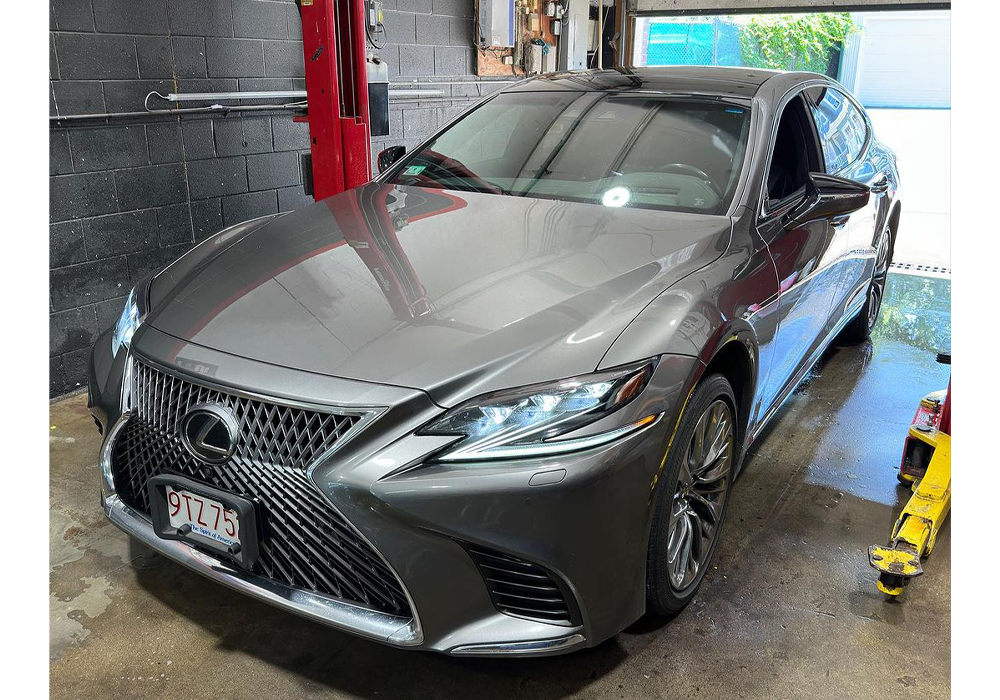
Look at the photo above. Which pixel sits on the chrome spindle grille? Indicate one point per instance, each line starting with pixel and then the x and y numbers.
pixel 305 542
pixel 269 433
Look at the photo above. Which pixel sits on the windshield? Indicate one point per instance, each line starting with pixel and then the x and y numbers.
pixel 646 151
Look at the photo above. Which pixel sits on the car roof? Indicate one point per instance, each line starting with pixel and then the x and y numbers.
pixel 723 81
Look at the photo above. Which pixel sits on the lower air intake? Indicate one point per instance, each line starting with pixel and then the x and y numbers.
pixel 524 589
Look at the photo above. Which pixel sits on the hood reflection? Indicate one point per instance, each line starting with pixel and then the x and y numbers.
pixel 374 238
pixel 430 288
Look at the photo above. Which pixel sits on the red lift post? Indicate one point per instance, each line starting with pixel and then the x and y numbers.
pixel 333 40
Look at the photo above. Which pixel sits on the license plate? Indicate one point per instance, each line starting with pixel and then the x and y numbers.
pixel 205 517
pixel 202 517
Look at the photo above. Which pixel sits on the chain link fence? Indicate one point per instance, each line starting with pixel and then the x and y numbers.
pixel 712 41
pixel 696 42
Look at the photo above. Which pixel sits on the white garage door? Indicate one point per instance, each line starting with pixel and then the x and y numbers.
pixel 904 59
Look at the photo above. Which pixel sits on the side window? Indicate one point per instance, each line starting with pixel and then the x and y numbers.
pixel 841 126
pixel 795 154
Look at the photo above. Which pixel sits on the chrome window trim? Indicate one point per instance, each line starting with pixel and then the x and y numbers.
pixel 762 212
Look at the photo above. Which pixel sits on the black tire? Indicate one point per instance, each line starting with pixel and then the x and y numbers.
pixel 663 596
pixel 861 326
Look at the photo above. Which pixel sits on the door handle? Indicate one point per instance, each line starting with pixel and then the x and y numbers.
pixel 880 185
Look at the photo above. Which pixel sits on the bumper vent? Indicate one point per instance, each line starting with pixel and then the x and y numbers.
pixel 305 542
pixel 523 589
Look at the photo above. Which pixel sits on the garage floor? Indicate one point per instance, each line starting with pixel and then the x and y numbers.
pixel 790 612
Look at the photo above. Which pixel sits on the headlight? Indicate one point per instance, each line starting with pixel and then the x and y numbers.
pixel 527 422
pixel 127 324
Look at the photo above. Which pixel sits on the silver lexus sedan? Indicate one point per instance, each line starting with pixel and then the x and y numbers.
pixel 494 401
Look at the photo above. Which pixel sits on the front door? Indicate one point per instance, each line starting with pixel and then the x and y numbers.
pixel 804 255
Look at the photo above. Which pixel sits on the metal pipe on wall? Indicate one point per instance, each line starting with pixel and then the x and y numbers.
pixel 600 34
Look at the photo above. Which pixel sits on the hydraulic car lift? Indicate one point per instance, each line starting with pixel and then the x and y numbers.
pixel 926 464
pixel 333 40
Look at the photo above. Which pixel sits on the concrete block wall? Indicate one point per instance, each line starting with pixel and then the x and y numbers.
pixel 129 195
pixel 430 40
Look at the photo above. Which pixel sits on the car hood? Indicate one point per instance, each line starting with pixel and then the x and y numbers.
pixel 454 293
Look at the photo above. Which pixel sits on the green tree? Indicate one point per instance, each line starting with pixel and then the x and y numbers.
pixel 794 42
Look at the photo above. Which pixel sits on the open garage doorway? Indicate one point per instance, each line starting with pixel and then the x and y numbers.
pixel 896 62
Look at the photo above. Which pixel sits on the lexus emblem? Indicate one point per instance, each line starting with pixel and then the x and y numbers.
pixel 209 432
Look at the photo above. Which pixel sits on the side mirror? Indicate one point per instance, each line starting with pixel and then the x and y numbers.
pixel 390 156
pixel 828 196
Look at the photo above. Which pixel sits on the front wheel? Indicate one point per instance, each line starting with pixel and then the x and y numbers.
pixel 692 497
pixel 860 328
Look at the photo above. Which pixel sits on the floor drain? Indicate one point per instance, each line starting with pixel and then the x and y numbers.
pixel 918 269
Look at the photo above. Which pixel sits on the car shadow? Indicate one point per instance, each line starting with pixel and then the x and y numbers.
pixel 236 623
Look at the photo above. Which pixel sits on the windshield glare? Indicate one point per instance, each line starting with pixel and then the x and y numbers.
pixel 619 150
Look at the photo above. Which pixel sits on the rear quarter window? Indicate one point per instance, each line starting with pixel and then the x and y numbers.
pixel 842 128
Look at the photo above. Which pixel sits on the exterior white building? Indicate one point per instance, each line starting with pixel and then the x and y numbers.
pixel 900 59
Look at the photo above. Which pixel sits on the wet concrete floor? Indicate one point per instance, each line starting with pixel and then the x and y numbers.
pixel 790 611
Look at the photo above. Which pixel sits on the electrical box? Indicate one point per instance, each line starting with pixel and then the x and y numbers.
pixel 533 59
pixel 378 96
pixel 497 18
pixel 373 14
pixel 549 60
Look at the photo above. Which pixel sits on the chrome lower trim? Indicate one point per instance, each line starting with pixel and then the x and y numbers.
pixel 544 646
pixel 374 625
pixel 107 447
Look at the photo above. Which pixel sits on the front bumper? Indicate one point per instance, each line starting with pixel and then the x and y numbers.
pixel 335 613
pixel 588 524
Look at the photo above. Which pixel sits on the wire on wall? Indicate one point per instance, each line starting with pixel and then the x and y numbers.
pixel 380 29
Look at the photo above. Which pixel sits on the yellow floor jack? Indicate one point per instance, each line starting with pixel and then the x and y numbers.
pixel 926 468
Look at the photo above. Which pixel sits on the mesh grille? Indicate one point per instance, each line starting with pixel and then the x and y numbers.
pixel 305 542
pixel 520 588
pixel 269 433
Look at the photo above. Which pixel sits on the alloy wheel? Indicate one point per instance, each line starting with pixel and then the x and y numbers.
pixel 702 490
pixel 877 289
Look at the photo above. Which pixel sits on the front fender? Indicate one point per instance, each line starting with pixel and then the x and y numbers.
pixel 725 300
pixel 732 299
